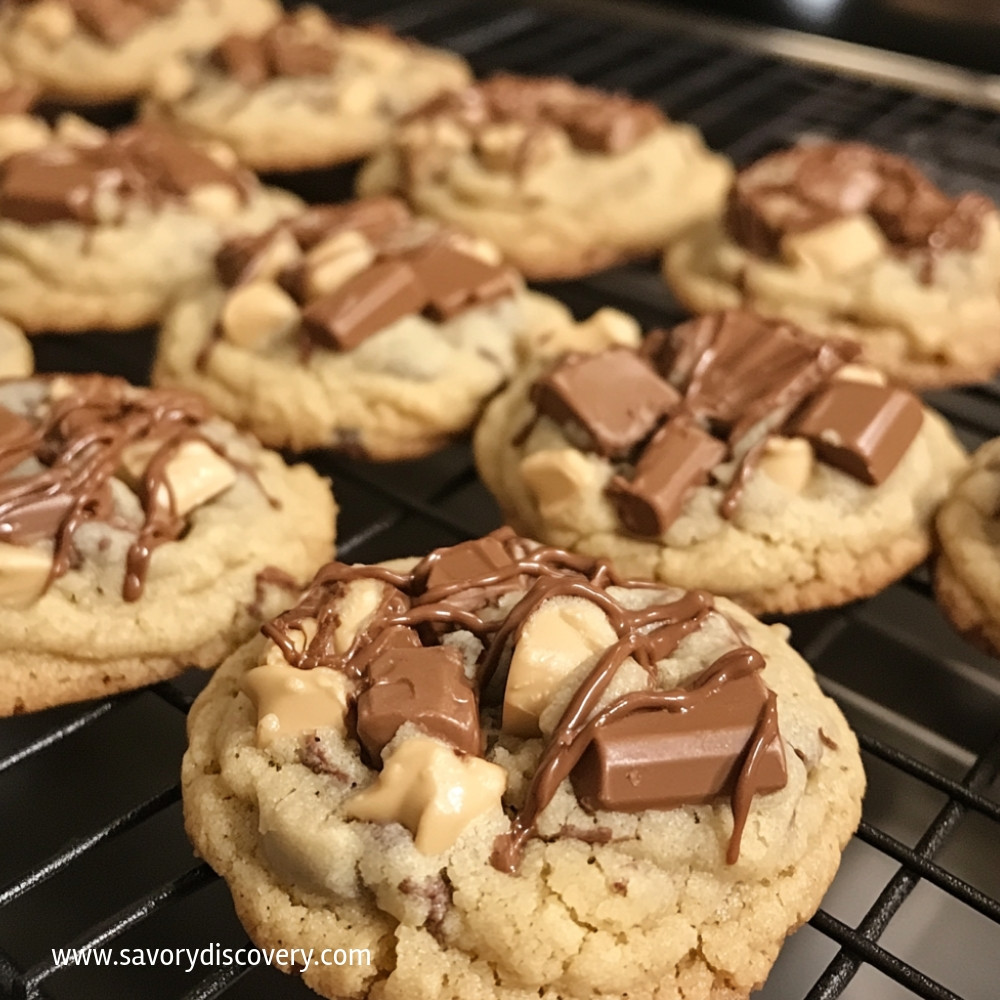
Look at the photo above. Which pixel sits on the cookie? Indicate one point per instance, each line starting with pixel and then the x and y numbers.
pixel 307 93
pixel 102 230
pixel 355 327
pixel 16 357
pixel 566 180
pixel 139 535
pixel 95 51
pixel 967 574
pixel 19 129
pixel 854 242
pixel 508 773
pixel 733 453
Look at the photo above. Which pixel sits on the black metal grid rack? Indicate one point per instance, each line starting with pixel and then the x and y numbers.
pixel 93 850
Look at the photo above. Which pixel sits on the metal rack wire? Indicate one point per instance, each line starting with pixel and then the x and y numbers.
pixel 93 846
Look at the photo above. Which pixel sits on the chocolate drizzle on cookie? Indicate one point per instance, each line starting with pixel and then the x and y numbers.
pixel 712 390
pixel 95 183
pixel 77 443
pixel 652 748
pixel 803 188
pixel 593 120
pixel 409 267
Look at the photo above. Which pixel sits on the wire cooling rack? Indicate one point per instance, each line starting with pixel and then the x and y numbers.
pixel 93 850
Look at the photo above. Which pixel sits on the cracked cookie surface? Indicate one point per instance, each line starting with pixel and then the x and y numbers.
pixel 603 904
pixel 140 535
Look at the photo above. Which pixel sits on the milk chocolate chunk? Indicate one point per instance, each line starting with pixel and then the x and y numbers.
pixel 803 188
pixel 290 54
pixel 36 515
pixel 17 99
pixel 243 58
pixel 426 686
pixel 660 759
pixel 467 561
pixel 750 368
pixel 110 20
pixel 456 281
pixel 363 305
pixel 862 429
pixel 614 396
pixel 678 458
pixel 36 189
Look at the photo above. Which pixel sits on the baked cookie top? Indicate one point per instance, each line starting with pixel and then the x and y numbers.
pixel 855 241
pixel 307 92
pixel 105 50
pixel 518 159
pixel 357 326
pixel 493 720
pixel 967 574
pixel 731 429
pixel 139 534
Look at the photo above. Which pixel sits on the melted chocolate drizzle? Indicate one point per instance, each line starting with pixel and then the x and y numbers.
pixel 80 440
pixel 648 634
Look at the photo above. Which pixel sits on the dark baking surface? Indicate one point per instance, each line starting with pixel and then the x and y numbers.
pixel 93 849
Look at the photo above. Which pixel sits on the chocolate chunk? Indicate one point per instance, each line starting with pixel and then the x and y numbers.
pixel 425 686
pixel 465 562
pixel 862 429
pixel 802 188
pixel 614 396
pixel 243 58
pixel 744 368
pixel 456 281
pixel 660 759
pixel 238 258
pixel 610 123
pixel 363 305
pixel 17 99
pixel 140 162
pixel 35 189
pixel 291 54
pixel 112 21
pixel 679 457
pixel 35 515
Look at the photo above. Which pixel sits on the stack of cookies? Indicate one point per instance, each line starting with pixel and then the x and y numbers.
pixel 562 760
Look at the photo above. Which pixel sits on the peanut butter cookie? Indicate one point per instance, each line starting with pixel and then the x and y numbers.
pixel 564 179
pixel 94 51
pixel 139 535
pixel 102 230
pixel 503 771
pixel 732 453
pixel 355 327
pixel 851 241
pixel 307 93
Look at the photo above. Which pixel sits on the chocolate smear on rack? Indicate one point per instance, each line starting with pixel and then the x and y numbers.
pixel 711 390
pixel 79 440
pixel 714 736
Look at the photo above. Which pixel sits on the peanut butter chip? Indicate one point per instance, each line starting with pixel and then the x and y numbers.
pixel 291 701
pixel 24 572
pixel 432 791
